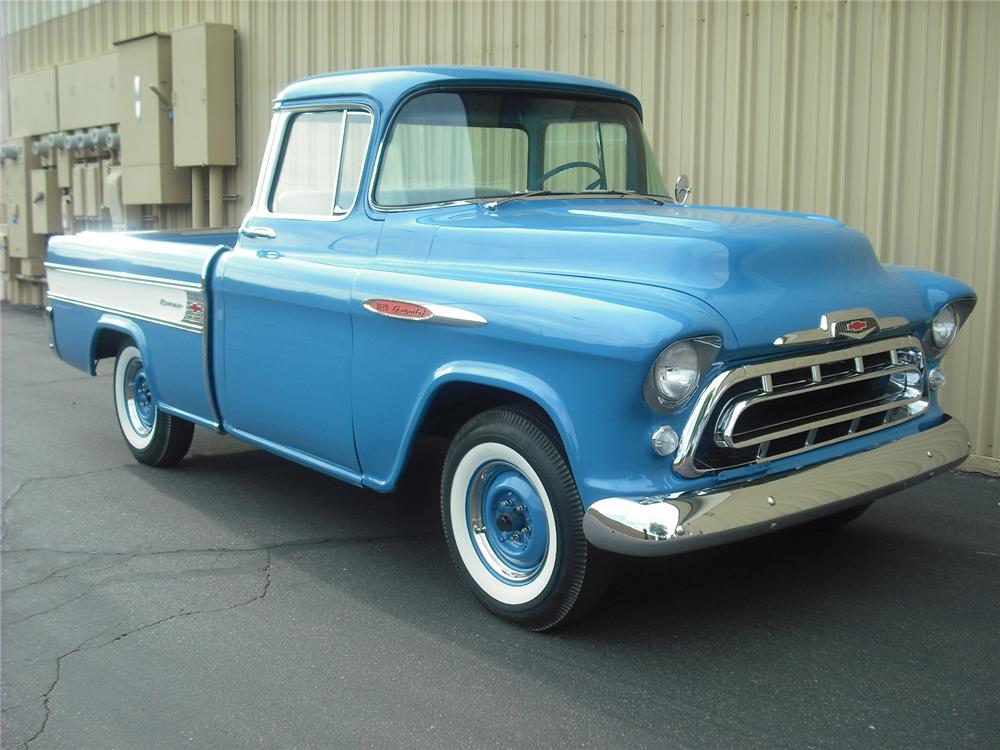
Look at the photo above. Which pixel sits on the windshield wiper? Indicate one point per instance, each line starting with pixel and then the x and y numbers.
pixel 492 203
pixel 632 194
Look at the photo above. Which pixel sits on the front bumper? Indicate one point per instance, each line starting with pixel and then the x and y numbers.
pixel 666 524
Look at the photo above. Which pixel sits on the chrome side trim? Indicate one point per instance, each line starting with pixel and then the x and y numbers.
pixel 125 313
pixel 827 329
pixel 708 399
pixel 124 275
pixel 667 524
pixel 438 314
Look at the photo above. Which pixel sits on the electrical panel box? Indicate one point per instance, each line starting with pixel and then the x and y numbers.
pixel 204 73
pixel 87 92
pixel 15 174
pixel 32 267
pixel 92 178
pixel 146 129
pixel 34 106
pixel 46 211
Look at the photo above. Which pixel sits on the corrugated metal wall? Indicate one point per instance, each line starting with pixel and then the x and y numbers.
pixel 886 115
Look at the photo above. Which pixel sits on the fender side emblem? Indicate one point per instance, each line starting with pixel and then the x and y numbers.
pixel 394 308
pixel 424 313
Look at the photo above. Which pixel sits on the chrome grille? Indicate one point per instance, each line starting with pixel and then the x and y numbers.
pixel 762 412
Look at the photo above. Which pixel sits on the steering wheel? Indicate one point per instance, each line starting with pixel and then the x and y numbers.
pixel 601 180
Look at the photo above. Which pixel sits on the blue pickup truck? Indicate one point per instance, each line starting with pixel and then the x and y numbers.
pixel 492 256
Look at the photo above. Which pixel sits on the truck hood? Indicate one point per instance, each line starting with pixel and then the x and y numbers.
pixel 767 273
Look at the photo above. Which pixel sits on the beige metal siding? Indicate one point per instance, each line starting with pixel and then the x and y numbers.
pixel 886 115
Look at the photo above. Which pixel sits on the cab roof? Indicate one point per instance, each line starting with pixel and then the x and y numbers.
pixel 387 86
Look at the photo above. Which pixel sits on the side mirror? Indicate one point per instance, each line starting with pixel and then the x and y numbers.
pixel 682 190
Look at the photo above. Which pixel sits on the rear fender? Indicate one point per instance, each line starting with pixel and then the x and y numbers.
pixel 118 324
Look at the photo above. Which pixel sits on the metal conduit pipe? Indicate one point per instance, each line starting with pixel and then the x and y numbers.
pixel 197 197
pixel 215 210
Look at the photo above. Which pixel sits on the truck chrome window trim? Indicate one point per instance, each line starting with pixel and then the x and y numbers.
pixel 280 130
pixel 467 88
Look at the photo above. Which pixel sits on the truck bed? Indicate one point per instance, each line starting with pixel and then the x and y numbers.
pixel 149 287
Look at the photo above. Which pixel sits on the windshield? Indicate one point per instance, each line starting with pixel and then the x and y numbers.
pixel 453 146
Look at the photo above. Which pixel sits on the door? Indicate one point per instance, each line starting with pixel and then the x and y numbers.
pixel 283 363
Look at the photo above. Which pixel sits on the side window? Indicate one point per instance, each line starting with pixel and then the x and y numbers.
pixel 602 144
pixel 321 163
pixel 352 163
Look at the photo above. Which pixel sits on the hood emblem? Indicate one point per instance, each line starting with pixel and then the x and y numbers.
pixel 856 323
pixel 857 328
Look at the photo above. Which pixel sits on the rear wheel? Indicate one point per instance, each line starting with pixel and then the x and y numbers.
pixel 154 437
pixel 514 522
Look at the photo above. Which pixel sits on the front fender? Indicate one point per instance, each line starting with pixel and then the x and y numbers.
pixel 578 348
pixel 488 374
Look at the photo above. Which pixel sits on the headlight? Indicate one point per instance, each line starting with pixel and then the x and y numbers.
pixel 677 371
pixel 944 327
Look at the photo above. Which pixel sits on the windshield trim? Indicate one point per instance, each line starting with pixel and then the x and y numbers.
pixel 376 171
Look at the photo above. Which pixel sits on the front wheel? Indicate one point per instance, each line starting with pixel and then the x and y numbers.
pixel 154 437
pixel 514 522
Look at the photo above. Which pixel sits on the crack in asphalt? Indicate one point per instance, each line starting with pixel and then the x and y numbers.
pixel 210 550
pixel 123 556
pixel 54 477
pixel 46 697
pixel 65 570
pixel 174 576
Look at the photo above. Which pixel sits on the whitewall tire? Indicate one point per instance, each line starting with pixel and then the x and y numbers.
pixel 514 522
pixel 154 437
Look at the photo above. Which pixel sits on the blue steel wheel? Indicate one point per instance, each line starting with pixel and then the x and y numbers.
pixel 153 436
pixel 514 522
pixel 140 407
pixel 508 521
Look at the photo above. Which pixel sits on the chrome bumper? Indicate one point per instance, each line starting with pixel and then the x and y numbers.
pixel 666 524
pixel 52 330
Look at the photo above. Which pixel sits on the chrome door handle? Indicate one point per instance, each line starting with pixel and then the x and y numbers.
pixel 259 233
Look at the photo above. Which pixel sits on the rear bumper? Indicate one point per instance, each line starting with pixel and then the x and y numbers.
pixel 667 524
pixel 50 324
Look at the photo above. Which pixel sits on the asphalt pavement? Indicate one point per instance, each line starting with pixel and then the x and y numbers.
pixel 240 600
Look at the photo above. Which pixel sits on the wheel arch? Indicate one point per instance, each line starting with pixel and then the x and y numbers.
pixel 109 334
pixel 459 390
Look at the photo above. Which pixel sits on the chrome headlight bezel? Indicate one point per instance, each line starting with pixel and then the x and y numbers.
pixel 959 311
pixel 699 352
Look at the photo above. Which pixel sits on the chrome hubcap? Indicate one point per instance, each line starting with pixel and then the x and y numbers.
pixel 139 403
pixel 508 522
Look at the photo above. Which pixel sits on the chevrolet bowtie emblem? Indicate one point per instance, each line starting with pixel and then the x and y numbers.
pixel 856 323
